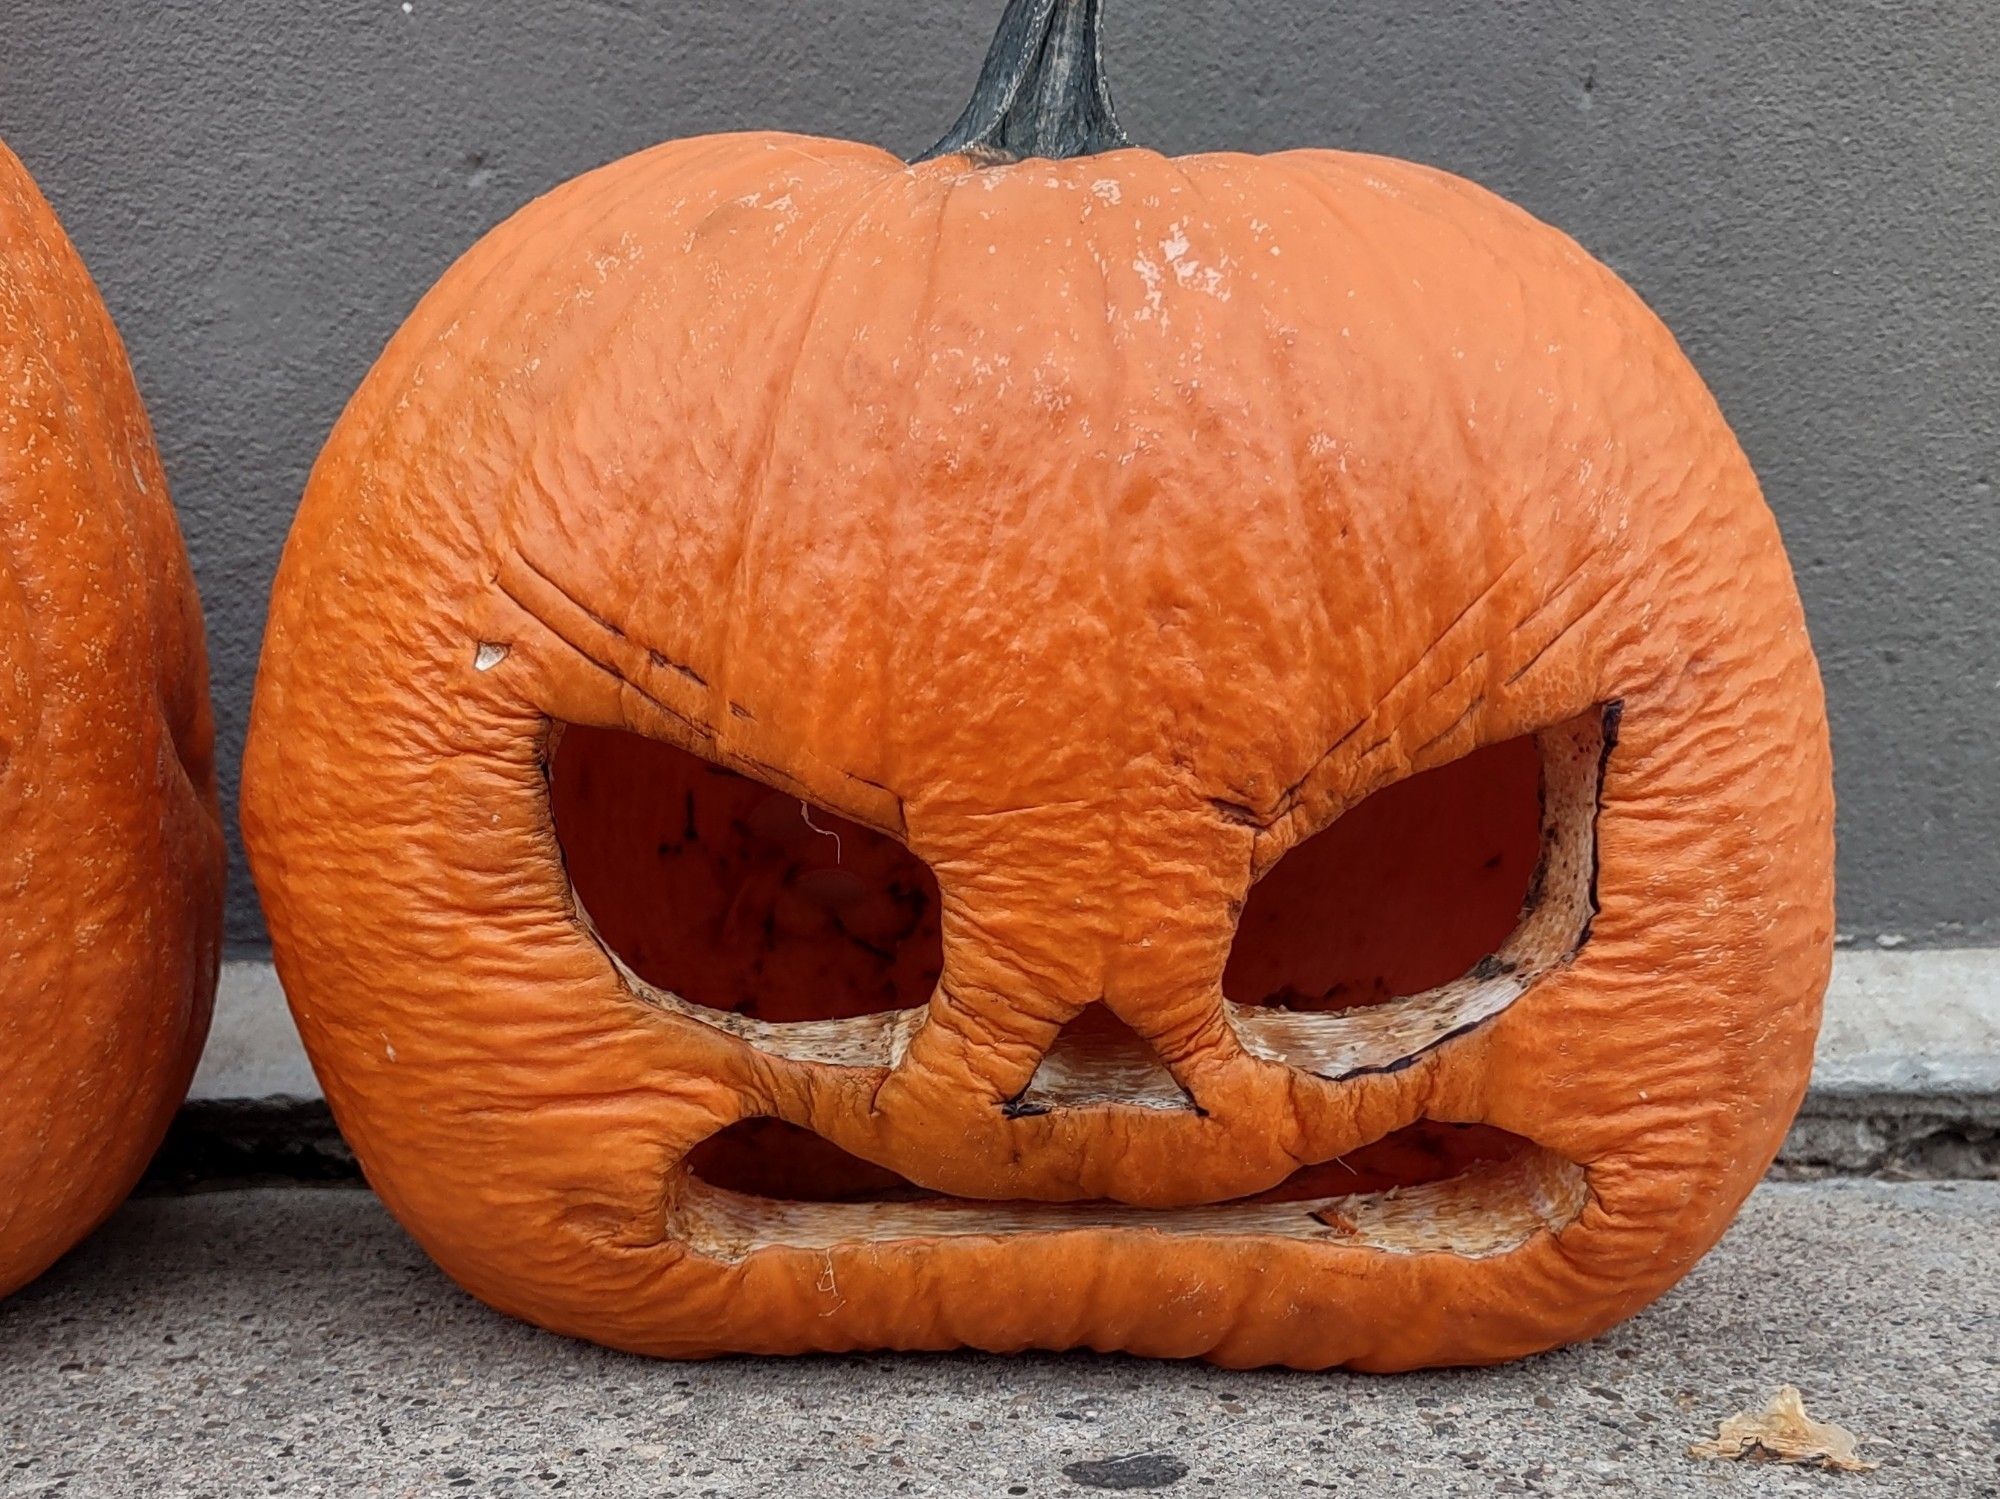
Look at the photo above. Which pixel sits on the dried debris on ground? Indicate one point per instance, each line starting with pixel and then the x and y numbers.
pixel 1782 1432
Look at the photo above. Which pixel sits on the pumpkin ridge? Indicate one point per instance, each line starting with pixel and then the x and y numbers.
pixel 1280 377
pixel 757 482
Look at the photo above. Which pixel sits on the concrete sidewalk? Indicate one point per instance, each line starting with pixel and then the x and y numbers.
pixel 294 1341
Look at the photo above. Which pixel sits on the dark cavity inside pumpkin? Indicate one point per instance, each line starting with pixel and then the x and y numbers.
pixel 772 1159
pixel 735 896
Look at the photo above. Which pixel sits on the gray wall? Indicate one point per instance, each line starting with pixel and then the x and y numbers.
pixel 1806 190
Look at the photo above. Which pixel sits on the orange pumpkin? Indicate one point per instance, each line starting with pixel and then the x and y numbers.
pixel 110 847
pixel 1048 747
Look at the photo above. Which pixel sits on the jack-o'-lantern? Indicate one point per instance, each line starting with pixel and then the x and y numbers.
pixel 110 844
pixel 1047 747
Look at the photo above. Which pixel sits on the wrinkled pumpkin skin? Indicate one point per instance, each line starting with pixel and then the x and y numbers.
pixel 110 847
pixel 1048 515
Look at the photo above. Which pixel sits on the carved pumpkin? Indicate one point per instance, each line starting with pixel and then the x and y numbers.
pixel 1048 747
pixel 110 848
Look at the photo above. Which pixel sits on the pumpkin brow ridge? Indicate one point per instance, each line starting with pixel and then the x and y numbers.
pixel 610 668
pixel 1289 800
pixel 1567 628
pixel 701 731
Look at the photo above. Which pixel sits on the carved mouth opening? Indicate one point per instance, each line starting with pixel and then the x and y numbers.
pixel 1462 1189
pixel 736 897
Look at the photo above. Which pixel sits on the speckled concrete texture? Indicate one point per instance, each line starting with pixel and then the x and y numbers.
pixel 296 1342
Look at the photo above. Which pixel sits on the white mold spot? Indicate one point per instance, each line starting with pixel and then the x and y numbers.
pixel 1155 280
pixel 488 656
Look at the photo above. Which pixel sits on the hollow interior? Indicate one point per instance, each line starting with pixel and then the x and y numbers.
pixel 771 1158
pixel 1402 894
pixel 735 896
pixel 1460 1189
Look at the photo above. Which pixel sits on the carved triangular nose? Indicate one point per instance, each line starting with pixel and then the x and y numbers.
pixel 1099 1059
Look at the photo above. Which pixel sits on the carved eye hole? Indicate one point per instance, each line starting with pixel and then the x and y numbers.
pixel 1426 910
pixel 736 896
pixel 1405 892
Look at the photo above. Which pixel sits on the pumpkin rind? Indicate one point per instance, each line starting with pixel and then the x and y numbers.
pixel 110 843
pixel 1103 528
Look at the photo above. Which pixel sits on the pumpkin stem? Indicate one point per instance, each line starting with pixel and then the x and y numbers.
pixel 1042 91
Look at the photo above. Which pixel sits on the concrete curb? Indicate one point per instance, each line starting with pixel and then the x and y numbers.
pixel 1922 1024
pixel 1907 1080
pixel 253 1050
